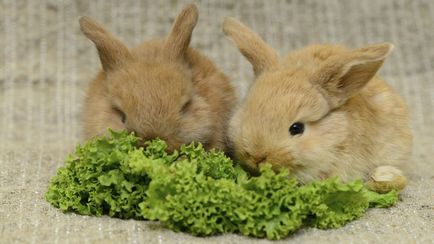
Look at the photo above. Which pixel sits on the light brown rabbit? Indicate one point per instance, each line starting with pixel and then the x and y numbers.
pixel 161 89
pixel 320 112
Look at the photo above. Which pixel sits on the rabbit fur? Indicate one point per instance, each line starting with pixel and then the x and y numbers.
pixel 353 120
pixel 162 88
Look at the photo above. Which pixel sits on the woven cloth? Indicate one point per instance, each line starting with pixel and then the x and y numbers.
pixel 46 64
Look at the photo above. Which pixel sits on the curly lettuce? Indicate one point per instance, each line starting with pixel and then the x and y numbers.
pixel 200 192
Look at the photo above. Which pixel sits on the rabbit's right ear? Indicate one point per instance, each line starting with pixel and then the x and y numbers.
pixel 251 45
pixel 111 51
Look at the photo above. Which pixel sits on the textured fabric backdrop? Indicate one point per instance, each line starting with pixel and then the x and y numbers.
pixel 46 64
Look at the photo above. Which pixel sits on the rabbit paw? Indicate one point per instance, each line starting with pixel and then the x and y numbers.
pixel 386 178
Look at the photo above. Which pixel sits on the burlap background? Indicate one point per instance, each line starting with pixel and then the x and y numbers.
pixel 46 64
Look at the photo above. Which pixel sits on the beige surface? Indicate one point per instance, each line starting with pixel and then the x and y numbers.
pixel 46 63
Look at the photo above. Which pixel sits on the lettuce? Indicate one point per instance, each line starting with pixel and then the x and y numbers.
pixel 200 192
pixel 96 179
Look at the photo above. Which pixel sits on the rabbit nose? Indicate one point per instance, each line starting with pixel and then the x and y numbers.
pixel 260 160
pixel 144 136
pixel 257 159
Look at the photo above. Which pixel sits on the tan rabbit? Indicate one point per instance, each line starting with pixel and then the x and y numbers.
pixel 320 112
pixel 161 89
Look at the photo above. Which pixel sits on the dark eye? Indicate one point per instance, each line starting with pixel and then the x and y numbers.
pixel 296 128
pixel 123 117
pixel 186 106
pixel 121 114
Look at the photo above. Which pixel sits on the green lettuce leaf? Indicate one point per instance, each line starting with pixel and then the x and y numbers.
pixel 200 192
pixel 97 179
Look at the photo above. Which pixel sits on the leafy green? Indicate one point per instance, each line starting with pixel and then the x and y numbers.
pixel 200 192
pixel 381 200
pixel 97 179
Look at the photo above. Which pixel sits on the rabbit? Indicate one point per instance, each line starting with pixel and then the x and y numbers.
pixel 320 112
pixel 160 89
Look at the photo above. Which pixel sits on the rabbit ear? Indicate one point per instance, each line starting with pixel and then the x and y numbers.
pixel 251 45
pixel 343 77
pixel 111 51
pixel 177 41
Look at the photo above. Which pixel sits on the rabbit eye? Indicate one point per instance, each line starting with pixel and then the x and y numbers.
pixel 296 128
pixel 123 117
pixel 186 106
pixel 121 114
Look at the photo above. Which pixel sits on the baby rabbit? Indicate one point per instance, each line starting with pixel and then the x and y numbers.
pixel 320 112
pixel 161 89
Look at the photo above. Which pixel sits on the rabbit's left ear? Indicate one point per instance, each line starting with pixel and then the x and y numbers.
pixel 178 40
pixel 343 77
